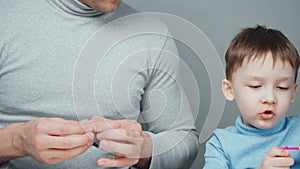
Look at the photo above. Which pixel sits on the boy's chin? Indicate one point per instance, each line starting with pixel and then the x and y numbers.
pixel 261 124
pixel 264 124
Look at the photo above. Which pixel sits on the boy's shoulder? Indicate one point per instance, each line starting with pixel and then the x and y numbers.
pixel 294 117
pixel 223 136
pixel 226 131
pixel 293 120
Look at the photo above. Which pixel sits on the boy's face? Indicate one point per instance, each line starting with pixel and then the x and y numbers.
pixel 263 92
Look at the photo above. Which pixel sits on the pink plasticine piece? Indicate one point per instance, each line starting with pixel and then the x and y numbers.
pixel 290 148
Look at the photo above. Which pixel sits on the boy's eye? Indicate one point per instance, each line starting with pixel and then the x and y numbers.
pixel 254 86
pixel 282 88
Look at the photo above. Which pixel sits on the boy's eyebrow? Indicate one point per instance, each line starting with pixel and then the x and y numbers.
pixel 287 79
pixel 260 78
pixel 254 78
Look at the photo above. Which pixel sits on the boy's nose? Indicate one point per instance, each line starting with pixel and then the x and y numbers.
pixel 269 98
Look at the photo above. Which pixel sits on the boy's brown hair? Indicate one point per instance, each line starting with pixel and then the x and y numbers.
pixel 253 43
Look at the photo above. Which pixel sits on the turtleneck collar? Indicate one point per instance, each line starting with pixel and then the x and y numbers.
pixel 75 7
pixel 247 130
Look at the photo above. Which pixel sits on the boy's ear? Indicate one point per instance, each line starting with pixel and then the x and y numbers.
pixel 227 90
pixel 294 92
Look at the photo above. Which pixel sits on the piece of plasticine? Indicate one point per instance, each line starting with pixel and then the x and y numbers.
pixel 289 148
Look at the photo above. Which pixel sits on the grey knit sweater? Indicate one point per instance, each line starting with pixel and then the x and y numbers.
pixel 46 71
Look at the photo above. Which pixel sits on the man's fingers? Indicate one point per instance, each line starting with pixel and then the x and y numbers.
pixel 120 135
pixel 118 162
pixel 102 126
pixel 57 126
pixel 86 125
pixel 129 124
pixel 70 141
pixel 98 118
pixel 125 149
pixel 56 155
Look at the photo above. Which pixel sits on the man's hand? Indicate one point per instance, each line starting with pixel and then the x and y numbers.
pixel 277 158
pixel 126 140
pixel 52 140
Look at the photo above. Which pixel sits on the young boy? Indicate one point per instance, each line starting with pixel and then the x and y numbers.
pixel 261 72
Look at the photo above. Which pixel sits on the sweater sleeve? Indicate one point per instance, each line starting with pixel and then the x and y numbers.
pixel 215 157
pixel 166 113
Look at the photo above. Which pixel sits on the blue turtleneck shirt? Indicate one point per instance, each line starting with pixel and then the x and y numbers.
pixel 244 147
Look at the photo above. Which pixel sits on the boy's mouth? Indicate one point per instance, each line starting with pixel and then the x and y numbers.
pixel 267 115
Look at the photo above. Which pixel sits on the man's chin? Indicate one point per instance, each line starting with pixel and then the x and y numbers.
pixel 111 7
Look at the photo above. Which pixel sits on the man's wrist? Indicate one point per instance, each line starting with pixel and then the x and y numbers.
pixel 10 138
pixel 144 163
pixel 15 139
pixel 146 153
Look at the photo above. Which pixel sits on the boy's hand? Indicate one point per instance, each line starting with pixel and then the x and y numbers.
pixel 277 158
